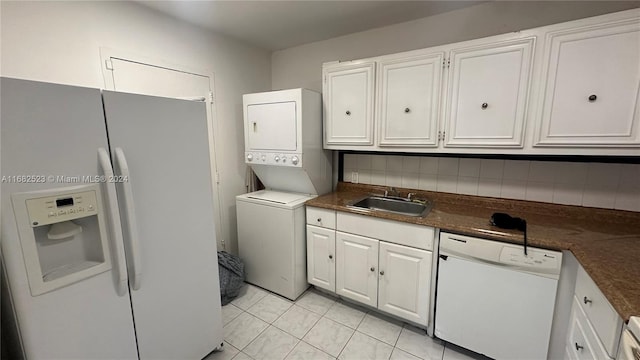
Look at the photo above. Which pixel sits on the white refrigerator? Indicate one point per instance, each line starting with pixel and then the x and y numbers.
pixel 108 241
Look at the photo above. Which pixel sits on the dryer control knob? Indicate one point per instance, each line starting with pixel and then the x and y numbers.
pixel 276 158
pixel 264 157
pixel 295 160
pixel 284 159
pixel 249 157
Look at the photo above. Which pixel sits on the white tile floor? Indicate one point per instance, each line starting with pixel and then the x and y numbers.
pixel 261 325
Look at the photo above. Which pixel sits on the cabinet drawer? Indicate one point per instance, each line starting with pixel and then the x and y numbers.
pixel 321 217
pixel 605 320
pixel 582 341
pixel 413 235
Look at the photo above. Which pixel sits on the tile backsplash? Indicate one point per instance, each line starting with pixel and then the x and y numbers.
pixel 603 185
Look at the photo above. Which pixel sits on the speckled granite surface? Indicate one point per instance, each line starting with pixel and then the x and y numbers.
pixel 605 242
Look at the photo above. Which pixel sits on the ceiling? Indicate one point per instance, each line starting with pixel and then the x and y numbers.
pixel 275 25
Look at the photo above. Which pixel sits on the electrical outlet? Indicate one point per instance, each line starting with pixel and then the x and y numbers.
pixel 354 177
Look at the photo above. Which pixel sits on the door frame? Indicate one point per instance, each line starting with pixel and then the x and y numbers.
pixel 107 54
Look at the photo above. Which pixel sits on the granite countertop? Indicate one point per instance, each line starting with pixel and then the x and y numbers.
pixel 605 242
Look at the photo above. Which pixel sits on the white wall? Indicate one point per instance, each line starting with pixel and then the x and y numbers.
pixel 58 41
pixel 301 66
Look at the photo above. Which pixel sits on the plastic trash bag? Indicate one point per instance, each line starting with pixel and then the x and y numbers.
pixel 231 269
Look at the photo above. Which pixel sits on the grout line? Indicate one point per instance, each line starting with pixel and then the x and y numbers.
pixel 317 348
pixel 294 346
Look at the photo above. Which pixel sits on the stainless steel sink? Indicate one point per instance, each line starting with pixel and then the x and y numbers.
pixel 417 208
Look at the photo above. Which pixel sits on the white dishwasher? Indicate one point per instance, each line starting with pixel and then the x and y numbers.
pixel 493 299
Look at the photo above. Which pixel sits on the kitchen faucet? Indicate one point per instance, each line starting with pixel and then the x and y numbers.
pixel 391 192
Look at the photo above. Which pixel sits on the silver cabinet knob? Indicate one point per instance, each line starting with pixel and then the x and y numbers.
pixel 348 113
pixel 319 219
pixel 382 272
pixel 586 300
pixel 373 269
pixel 407 110
pixel 484 106
pixel 592 97
pixel 330 256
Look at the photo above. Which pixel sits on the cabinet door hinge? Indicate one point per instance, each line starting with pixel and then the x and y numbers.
pixel 108 64
pixel 211 98
pixel 446 63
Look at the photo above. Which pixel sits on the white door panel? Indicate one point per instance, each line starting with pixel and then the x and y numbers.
pixel 272 126
pixel 488 95
pixel 348 104
pixel 405 282
pixel 592 86
pixel 357 262
pixel 51 129
pixel 321 262
pixel 409 100
pixel 177 307
pixel 470 293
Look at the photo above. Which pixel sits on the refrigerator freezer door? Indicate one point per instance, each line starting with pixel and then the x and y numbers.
pixel 55 130
pixel 177 306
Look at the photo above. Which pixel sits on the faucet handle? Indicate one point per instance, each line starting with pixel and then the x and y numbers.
pixel 410 195
pixel 386 193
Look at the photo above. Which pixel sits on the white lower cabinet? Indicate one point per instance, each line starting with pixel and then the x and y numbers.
pixel 594 327
pixel 381 263
pixel 394 278
pixel 405 281
pixel 321 250
pixel 582 341
pixel 356 265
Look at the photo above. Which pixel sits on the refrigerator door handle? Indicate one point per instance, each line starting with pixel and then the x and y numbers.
pixel 132 225
pixel 114 219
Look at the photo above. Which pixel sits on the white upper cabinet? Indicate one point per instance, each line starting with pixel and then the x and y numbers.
pixel 487 98
pixel 409 100
pixel 348 104
pixel 565 89
pixel 590 96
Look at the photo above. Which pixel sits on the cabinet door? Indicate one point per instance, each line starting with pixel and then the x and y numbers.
pixel 348 104
pixel 271 126
pixel 582 339
pixel 321 250
pixel 356 271
pixel 592 82
pixel 487 98
pixel 409 99
pixel 405 282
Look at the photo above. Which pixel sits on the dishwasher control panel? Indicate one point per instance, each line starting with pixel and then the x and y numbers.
pixel 537 261
pixel 540 260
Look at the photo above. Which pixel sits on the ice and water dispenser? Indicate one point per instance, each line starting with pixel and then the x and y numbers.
pixel 63 235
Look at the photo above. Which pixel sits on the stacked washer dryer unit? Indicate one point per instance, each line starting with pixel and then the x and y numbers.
pixel 283 146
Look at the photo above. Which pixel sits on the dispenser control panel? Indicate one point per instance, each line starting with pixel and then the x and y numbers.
pixel 54 209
